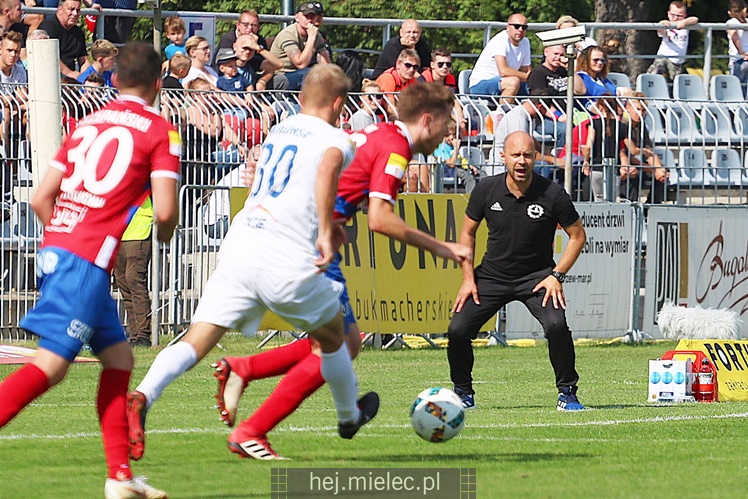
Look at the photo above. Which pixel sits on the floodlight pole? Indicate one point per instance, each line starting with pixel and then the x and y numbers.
pixel 568 169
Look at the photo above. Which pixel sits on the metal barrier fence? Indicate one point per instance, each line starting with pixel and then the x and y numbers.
pixel 701 144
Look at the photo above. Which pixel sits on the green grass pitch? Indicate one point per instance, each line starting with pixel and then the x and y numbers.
pixel 519 444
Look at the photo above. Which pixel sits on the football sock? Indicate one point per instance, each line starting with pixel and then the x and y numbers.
pixel 301 381
pixel 337 370
pixel 271 363
pixel 19 389
pixel 168 365
pixel 111 405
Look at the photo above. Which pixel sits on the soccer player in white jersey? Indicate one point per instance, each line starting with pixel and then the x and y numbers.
pixel 103 172
pixel 273 257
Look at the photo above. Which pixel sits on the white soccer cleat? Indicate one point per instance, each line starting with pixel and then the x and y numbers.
pixel 137 488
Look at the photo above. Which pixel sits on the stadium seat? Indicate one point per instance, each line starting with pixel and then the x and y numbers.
pixel 475 112
pixel 726 88
pixel 368 73
pixel 689 88
pixel 693 167
pixel 727 168
pixel 716 124
pixel 654 87
pixel 682 127
pixel 620 79
pixel 463 81
pixel 740 119
pixel 474 156
pixel 655 128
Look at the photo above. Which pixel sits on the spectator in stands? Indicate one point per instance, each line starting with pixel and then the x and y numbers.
pixel 248 49
pixel 198 49
pixel 441 69
pixel 29 22
pixel 372 106
pixel 37 34
pixel 591 78
pixel 552 76
pixel 738 40
pixel 402 75
pixel 179 67
pixel 564 22
pixel 448 154
pixel 10 19
pixel 603 137
pixel 103 53
pixel 672 52
pixel 300 45
pixel 12 74
pixel 504 64
pixel 230 79
pixel 175 32
pixel 63 26
pixel 521 118
pixel 117 29
pixel 639 152
pixel 410 38
pixel 202 134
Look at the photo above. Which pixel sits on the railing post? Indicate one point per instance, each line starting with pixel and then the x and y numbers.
pixel 707 59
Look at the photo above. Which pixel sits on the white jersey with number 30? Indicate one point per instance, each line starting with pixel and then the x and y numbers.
pixel 280 213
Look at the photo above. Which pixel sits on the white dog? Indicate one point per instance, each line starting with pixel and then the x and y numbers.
pixel 698 323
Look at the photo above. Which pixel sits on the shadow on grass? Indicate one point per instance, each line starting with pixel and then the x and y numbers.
pixel 517 457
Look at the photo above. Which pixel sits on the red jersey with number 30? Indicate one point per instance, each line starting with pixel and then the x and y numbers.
pixel 108 162
pixel 383 152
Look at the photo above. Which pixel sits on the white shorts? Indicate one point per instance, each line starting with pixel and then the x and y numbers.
pixel 237 297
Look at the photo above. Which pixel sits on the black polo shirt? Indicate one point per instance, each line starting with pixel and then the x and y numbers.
pixel 520 230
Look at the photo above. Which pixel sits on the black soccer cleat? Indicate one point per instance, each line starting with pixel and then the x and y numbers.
pixel 368 405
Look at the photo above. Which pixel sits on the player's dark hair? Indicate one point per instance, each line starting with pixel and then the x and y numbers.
pixel 138 65
pixel 415 100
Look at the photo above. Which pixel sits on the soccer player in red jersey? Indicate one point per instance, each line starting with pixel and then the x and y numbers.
pixel 105 169
pixel 374 177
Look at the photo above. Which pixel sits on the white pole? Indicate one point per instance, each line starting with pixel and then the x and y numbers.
pixel 45 109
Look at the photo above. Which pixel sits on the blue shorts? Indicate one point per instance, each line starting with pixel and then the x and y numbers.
pixel 336 274
pixel 75 307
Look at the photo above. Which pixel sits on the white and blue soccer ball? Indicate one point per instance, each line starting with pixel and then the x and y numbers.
pixel 437 414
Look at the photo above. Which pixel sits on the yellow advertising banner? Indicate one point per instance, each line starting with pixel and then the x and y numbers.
pixel 393 287
pixel 730 358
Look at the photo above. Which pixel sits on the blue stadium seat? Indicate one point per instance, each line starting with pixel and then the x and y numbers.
pixel 716 124
pixel 463 81
pixel 620 79
pixel 693 167
pixel 654 87
pixel 682 127
pixel 689 88
pixel 727 168
pixel 726 88
pixel 667 158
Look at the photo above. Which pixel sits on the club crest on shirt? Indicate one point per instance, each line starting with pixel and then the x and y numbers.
pixel 535 211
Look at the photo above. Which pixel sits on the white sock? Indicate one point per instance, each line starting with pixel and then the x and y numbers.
pixel 168 366
pixel 337 370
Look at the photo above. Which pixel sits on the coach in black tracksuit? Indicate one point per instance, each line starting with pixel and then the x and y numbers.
pixel 522 211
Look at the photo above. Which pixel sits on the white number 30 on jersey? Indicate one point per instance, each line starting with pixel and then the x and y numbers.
pixel 86 159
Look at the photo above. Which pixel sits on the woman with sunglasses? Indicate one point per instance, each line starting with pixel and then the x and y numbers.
pixel 591 78
pixel 372 106
pixel 198 50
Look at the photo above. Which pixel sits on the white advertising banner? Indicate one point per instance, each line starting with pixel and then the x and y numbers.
pixel 598 287
pixel 696 256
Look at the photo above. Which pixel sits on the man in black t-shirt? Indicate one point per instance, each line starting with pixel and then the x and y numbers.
pixel 410 38
pixel 552 76
pixel 522 212
pixel 64 27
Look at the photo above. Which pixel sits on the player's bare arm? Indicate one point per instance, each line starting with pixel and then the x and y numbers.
pixel 553 288
pixel 165 206
pixel 382 219
pixel 43 201
pixel 468 287
pixel 325 190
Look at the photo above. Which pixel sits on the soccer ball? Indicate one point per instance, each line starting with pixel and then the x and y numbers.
pixel 437 414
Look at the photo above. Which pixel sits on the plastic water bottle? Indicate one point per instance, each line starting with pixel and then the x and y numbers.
pixel 706 382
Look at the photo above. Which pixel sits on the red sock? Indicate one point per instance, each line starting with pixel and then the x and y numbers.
pixel 20 389
pixel 111 404
pixel 300 382
pixel 271 363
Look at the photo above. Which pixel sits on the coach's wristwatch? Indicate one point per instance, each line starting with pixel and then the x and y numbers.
pixel 559 275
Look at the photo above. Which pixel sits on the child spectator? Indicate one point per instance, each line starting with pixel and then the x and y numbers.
pixel 175 32
pixel 738 40
pixel 447 153
pixel 230 79
pixel 672 52
pixel 179 66
pixel 372 106
pixel 103 53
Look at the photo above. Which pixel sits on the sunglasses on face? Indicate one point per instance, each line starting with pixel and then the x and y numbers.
pixel 409 65
pixel 442 64
pixel 597 59
pixel 376 96
pixel 519 26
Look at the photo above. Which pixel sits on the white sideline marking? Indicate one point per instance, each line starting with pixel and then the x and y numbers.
pixel 324 429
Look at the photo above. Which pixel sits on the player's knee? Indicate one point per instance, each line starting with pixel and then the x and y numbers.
pixel 458 332
pixel 556 327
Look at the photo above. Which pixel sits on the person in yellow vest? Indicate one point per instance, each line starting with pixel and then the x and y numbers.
pixel 131 274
